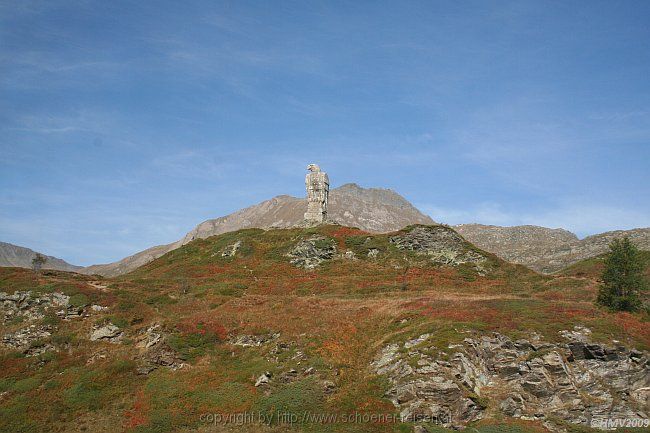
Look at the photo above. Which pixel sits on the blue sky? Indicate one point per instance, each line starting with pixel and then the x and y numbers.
pixel 125 124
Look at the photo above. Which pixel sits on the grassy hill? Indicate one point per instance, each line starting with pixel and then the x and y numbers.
pixel 593 267
pixel 232 307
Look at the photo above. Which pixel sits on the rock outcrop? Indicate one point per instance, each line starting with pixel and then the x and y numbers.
pixel 31 341
pixel 310 253
pixel 440 244
pixel 108 332
pixel 578 381
pixel 155 352
pixel 32 306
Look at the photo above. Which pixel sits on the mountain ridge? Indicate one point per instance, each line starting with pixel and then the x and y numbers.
pixel 17 256
pixel 543 249
pixel 381 210
pixel 375 210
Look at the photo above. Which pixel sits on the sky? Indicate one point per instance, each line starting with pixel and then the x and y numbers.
pixel 125 124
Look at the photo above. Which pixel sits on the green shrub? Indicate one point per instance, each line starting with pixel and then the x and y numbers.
pixel 51 319
pixel 120 322
pixel 47 356
pixel 192 346
pixel 79 300
pixel 62 339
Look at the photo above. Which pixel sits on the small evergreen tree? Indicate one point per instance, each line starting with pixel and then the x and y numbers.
pixel 622 279
pixel 38 261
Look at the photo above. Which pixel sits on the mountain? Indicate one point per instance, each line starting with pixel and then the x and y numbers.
pixel 371 209
pixel 542 249
pixel 13 255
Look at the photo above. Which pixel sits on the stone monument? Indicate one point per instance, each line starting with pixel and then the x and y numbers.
pixel 318 188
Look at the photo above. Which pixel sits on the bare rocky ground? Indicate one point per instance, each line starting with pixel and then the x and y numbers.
pixel 528 379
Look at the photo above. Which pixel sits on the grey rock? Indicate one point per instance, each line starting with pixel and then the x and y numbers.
pixel 31 306
pixel 440 244
pixel 32 340
pixel 328 386
pixel 246 340
pixel 539 384
pixel 263 379
pixel 310 253
pixel 513 405
pixel 231 250
pixel 107 332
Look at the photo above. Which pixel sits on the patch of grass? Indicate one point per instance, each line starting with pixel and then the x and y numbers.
pixel 192 346
pixel 14 416
pixel 27 384
pixel 63 339
pixel 79 300
pixel 159 300
pixel 119 321
pixel 47 356
pixel 86 393
pixel 121 366
pixel 295 398
pixel 51 319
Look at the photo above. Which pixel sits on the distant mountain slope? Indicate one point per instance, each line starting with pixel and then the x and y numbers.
pixel 543 249
pixel 21 257
pixel 370 209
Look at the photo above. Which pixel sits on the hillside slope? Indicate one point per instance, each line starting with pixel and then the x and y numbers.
pixel 371 209
pixel 416 328
pixel 543 249
pixel 13 255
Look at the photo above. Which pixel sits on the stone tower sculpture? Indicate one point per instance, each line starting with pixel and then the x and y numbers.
pixel 318 188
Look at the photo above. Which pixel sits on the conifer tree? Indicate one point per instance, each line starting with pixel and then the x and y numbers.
pixel 622 279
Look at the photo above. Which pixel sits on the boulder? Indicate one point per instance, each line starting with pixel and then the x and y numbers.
pixel 263 379
pixel 107 332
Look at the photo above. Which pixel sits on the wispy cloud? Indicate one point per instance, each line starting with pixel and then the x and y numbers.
pixel 82 120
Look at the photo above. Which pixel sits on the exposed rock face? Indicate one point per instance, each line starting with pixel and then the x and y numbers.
pixel 263 379
pixel 577 382
pixel 155 352
pixel 371 209
pixel 231 250
pixel 318 189
pixel 251 340
pixel 543 249
pixel 31 306
pixel 21 257
pixel 29 340
pixel 107 332
pixel 441 244
pixel 310 253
